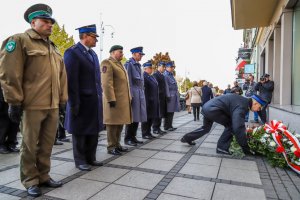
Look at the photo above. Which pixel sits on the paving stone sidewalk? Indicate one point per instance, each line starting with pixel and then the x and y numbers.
pixel 163 169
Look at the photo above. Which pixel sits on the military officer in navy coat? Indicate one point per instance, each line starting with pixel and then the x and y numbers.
pixel 159 76
pixel 138 102
pixel 152 100
pixel 84 116
pixel 228 110
pixel 172 96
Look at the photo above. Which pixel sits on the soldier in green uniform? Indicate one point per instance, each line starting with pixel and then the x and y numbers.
pixel 33 79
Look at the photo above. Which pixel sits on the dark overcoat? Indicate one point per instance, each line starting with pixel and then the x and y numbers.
pixel 152 96
pixel 206 94
pixel 172 92
pixel 84 89
pixel 136 82
pixel 162 93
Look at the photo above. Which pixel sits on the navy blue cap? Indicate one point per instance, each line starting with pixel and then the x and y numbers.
pixel 38 11
pixel 161 63
pixel 88 29
pixel 260 100
pixel 137 50
pixel 147 64
pixel 170 64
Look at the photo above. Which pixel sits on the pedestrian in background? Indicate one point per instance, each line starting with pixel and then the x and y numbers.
pixel 213 90
pixel 138 102
pixel 249 87
pixel 206 93
pixel 84 116
pixel 188 101
pixel 236 88
pixel 116 99
pixel 34 82
pixel 228 89
pixel 196 95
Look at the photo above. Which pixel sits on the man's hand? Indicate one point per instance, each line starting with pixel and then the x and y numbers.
pixel 112 104
pixel 74 110
pixel 62 108
pixel 15 113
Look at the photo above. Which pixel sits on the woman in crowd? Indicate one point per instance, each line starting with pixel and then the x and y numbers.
pixel 196 94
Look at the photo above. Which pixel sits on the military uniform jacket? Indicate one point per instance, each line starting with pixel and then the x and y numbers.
pixel 84 89
pixel 116 88
pixel 172 92
pixel 32 72
pixel 233 106
pixel 160 78
pixel 136 82
pixel 152 96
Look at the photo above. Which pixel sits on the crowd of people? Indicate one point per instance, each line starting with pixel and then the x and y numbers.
pixel 48 93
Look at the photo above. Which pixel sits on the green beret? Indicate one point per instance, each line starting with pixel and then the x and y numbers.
pixel 115 47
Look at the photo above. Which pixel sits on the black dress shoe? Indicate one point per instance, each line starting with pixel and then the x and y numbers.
pixel 34 191
pixel 155 132
pixel 131 143
pixel 64 139
pixel 114 152
pixel 4 150
pixel 161 132
pixel 172 129
pixel 84 167
pixel 96 163
pixel 58 142
pixel 122 149
pixel 147 137
pixel 137 141
pixel 52 183
pixel 222 151
pixel 190 143
pixel 13 148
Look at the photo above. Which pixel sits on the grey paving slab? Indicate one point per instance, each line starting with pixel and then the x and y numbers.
pixel 8 197
pixel 168 156
pixel 154 146
pixel 205 160
pixel 172 137
pixel 209 145
pixel 79 189
pixel 57 162
pixel 210 171
pixel 246 176
pixel 101 156
pixel 56 150
pixel 180 148
pixel 195 189
pixel 66 145
pixel 161 141
pixel 142 180
pixel 130 161
pixel 233 192
pixel 105 174
pixel 9 176
pixel 157 164
pixel 119 192
pixel 68 154
pixel 239 164
pixel 10 159
pixel 141 153
pixel 165 196
pixel 204 150
pixel 66 169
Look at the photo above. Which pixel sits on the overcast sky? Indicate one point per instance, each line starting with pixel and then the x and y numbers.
pixel 197 33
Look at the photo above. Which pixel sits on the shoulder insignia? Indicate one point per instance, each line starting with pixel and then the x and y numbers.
pixel 104 69
pixel 10 46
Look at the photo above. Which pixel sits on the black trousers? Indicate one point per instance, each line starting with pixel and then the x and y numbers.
pixel 130 131
pixel 227 135
pixel 196 112
pixel 61 132
pixel 168 120
pixel 156 124
pixel 8 129
pixel 263 114
pixel 84 148
pixel 146 127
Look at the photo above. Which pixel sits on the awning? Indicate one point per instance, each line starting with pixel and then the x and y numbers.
pixel 240 64
pixel 252 13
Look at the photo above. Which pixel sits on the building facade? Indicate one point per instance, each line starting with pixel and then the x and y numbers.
pixel 275 43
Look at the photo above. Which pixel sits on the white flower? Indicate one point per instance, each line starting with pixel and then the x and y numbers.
pixel 266 135
pixel 272 144
pixel 297 162
pixel 297 135
pixel 284 139
pixel 293 149
pixel 290 143
pixel 262 140
pixel 255 129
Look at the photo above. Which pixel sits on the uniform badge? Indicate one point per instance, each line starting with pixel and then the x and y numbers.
pixel 104 69
pixel 10 46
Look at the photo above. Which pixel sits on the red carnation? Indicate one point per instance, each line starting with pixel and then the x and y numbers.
pixel 297 153
pixel 279 149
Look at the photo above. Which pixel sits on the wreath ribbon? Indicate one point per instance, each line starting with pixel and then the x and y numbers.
pixel 274 127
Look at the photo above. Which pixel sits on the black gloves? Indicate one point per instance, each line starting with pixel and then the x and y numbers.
pixel 62 108
pixel 112 104
pixel 15 113
pixel 74 110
